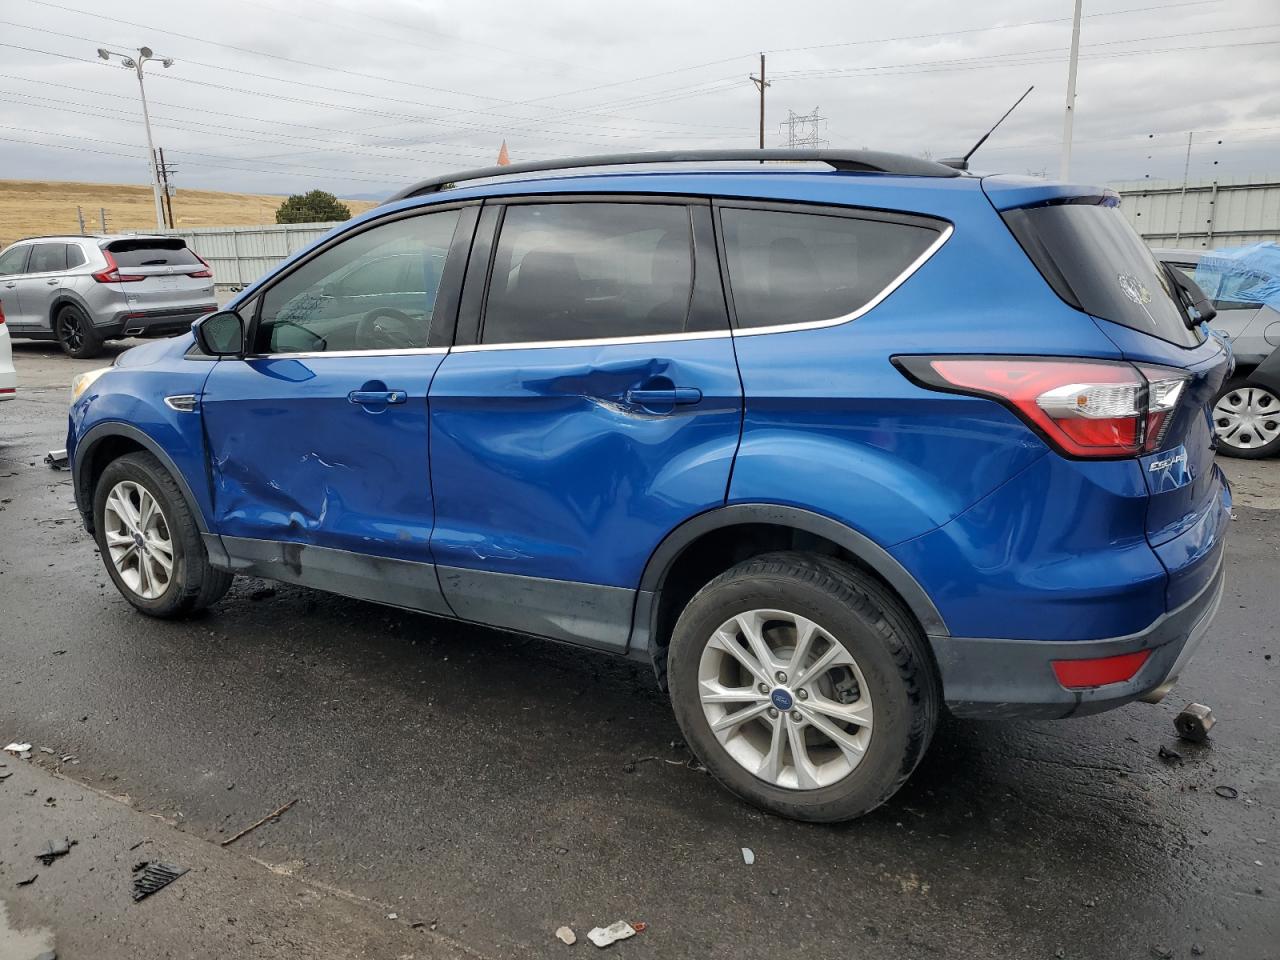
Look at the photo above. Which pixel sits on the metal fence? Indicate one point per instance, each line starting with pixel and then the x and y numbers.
pixel 1203 214
pixel 240 255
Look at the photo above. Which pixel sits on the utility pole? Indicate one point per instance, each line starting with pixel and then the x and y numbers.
pixel 80 217
pixel 1069 119
pixel 761 83
pixel 165 170
pixel 135 63
pixel 1182 199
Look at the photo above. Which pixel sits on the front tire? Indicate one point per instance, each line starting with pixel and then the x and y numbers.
pixel 77 334
pixel 804 686
pixel 150 542
pixel 1246 418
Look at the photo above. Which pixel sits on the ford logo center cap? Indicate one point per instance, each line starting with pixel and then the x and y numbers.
pixel 782 699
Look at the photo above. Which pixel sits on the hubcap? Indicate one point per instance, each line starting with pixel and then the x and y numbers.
pixel 138 539
pixel 750 681
pixel 1247 418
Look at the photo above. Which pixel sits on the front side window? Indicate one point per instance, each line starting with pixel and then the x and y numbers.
pixel 48 258
pixel 787 268
pixel 374 291
pixel 14 260
pixel 584 271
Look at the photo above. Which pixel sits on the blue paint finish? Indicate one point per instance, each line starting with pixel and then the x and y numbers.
pixel 1009 192
pixel 133 393
pixel 1057 553
pixel 1192 556
pixel 294 459
pixel 541 468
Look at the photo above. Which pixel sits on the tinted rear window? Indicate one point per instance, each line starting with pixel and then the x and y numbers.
pixel 151 253
pixel 1096 262
pixel 799 267
pixel 48 258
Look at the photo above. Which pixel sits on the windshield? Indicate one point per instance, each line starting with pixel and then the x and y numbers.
pixel 1096 262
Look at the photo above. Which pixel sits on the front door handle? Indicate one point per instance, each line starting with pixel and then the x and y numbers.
pixel 52 281
pixel 675 395
pixel 377 397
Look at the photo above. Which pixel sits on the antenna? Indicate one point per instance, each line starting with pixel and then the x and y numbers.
pixel 962 163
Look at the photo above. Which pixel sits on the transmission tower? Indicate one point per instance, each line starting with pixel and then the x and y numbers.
pixel 804 130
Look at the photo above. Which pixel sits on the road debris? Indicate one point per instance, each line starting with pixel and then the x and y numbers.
pixel 1168 755
pixel 21 750
pixel 266 593
pixel 151 875
pixel 1226 793
pixel 1161 952
pixel 56 459
pixel 1194 723
pixel 274 814
pixel 606 936
pixel 55 850
pixel 748 856
pixel 566 936
pixel 29 881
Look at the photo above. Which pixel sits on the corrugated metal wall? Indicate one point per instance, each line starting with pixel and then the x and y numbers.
pixel 239 255
pixel 1226 212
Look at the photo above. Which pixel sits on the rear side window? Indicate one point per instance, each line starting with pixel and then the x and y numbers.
pixel 75 256
pixel 787 268
pixel 1094 261
pixel 582 271
pixel 47 258
pixel 151 252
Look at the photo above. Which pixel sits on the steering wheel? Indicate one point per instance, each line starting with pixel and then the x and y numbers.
pixel 387 329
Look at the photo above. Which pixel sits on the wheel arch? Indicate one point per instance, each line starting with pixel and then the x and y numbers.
pixel 704 546
pixel 110 441
pixel 67 298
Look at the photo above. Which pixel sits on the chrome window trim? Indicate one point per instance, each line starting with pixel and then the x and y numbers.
pixel 312 354
pixel 893 285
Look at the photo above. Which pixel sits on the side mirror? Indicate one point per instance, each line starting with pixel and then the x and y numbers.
pixel 1192 297
pixel 220 334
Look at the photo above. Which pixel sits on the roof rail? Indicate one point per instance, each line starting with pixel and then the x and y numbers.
pixel 854 161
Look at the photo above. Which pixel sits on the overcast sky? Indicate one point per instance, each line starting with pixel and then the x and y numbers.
pixel 361 96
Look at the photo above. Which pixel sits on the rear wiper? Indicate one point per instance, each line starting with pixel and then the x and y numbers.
pixel 1192 297
pixel 153 263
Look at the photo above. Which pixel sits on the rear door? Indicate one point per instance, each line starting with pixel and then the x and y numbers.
pixel 592 403
pixel 173 277
pixel 318 440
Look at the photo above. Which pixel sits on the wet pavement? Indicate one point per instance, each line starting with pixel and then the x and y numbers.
pixel 501 786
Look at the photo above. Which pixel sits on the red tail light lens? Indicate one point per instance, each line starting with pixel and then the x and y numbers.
pixel 1085 408
pixel 1 313
pixel 206 273
pixel 113 275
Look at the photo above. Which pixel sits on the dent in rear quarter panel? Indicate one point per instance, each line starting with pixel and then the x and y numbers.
pixel 833 426
pixel 135 396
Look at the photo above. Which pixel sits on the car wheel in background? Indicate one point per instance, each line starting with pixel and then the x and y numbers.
pixel 77 334
pixel 149 540
pixel 1246 418
pixel 804 686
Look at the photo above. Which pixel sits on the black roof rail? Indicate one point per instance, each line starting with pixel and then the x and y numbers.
pixel 853 161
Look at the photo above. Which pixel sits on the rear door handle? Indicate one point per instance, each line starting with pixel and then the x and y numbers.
pixel 51 282
pixel 373 397
pixel 675 395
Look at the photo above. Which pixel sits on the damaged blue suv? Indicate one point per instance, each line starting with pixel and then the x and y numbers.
pixel 830 444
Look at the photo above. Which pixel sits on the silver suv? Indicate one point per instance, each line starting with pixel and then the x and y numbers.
pixel 81 291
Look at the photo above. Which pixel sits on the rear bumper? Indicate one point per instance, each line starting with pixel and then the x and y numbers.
pixel 153 323
pixel 1015 678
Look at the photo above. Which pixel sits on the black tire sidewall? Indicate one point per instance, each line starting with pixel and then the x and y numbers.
pixel 90 341
pixel 135 467
pixel 881 769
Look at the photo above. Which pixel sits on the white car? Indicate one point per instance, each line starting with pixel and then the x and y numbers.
pixel 8 376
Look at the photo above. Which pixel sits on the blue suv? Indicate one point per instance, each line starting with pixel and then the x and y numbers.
pixel 832 445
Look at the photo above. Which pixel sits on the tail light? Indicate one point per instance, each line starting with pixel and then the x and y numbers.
pixel 113 275
pixel 1 313
pixel 1084 408
pixel 206 273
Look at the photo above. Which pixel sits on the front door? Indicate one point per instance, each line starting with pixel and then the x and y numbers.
pixel 595 407
pixel 13 263
pixel 318 439
pixel 39 286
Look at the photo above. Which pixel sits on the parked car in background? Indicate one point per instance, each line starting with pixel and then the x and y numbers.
pixel 1246 414
pixel 82 291
pixel 8 375
pixel 743 424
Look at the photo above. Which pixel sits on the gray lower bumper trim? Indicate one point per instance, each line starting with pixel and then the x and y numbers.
pixel 1015 678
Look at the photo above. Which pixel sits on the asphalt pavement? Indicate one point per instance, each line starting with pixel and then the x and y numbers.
pixel 491 788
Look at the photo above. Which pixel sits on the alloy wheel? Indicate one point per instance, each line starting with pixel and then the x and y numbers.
pixel 785 699
pixel 138 539
pixel 1247 418
pixel 72 334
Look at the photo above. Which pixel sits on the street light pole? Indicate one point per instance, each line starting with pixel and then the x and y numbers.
pixel 1069 118
pixel 145 54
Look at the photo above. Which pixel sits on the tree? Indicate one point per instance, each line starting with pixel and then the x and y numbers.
pixel 314 207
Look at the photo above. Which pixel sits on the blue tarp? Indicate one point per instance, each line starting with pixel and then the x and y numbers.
pixel 1243 274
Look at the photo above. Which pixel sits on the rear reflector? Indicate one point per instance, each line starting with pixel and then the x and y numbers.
pixel 8 389
pixel 1084 408
pixel 1078 674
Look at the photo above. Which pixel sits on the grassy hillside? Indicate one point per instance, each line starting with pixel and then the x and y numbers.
pixel 33 207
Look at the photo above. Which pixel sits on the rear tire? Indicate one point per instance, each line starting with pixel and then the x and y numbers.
pixel 77 334
pixel 1246 419
pixel 821 743
pixel 150 542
